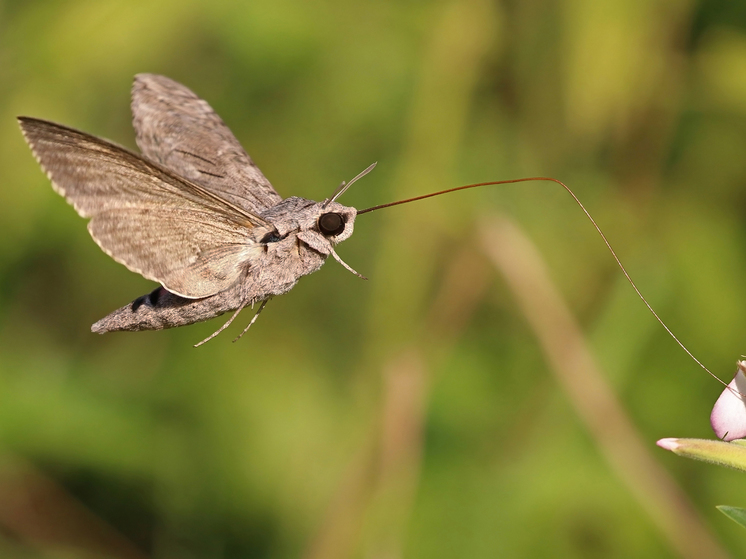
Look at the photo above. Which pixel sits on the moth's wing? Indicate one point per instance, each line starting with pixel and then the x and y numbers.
pixel 181 132
pixel 157 224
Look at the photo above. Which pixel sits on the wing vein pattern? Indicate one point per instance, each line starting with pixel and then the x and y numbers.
pixel 183 133
pixel 158 224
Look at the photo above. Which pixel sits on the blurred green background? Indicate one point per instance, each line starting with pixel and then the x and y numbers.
pixel 423 413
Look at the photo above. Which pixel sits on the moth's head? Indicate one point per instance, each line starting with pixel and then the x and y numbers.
pixel 324 225
pixel 329 222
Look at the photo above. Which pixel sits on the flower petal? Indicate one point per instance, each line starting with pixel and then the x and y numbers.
pixel 728 418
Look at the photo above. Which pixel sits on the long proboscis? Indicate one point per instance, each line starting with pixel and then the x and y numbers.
pixel 595 225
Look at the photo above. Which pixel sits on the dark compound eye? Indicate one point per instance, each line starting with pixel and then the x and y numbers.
pixel 331 224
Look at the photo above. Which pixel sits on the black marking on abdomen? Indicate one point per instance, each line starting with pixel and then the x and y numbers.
pixel 155 295
pixel 151 299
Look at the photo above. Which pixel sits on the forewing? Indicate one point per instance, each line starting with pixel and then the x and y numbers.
pixel 181 132
pixel 145 217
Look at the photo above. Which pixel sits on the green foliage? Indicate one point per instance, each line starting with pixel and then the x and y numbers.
pixel 736 514
pixel 731 455
pixel 413 415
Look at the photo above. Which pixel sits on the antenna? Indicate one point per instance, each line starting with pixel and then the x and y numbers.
pixel 342 188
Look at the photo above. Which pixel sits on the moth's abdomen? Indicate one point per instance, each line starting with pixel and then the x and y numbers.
pixel 162 309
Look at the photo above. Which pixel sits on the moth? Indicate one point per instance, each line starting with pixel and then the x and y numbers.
pixel 193 212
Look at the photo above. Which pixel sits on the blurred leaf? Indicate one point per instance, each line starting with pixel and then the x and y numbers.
pixel 736 514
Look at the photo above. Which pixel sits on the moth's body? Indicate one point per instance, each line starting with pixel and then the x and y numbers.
pixel 193 213
pixel 268 275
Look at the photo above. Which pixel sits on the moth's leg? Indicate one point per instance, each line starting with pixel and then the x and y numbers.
pixel 228 323
pixel 347 267
pixel 253 320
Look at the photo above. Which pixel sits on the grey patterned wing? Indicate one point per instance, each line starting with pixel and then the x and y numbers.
pixel 181 132
pixel 156 223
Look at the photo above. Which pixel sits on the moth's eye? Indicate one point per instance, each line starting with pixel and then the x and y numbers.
pixel 331 224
